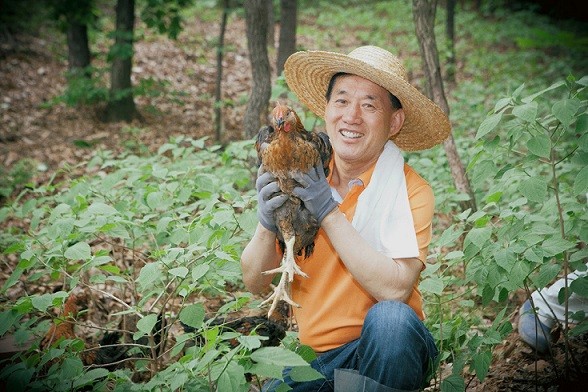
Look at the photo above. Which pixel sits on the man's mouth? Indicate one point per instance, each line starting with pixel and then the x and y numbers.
pixel 350 134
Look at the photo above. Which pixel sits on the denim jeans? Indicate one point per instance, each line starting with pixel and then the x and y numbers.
pixel 395 350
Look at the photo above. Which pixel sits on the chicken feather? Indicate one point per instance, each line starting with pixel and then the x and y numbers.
pixel 284 148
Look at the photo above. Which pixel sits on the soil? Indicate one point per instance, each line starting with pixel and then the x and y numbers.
pixel 32 74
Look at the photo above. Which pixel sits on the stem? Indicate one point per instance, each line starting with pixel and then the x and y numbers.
pixel 565 261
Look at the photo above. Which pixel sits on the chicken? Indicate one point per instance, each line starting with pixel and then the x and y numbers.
pixel 283 149
pixel 105 355
pixel 262 326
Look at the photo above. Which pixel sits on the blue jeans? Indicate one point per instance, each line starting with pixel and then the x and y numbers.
pixel 395 349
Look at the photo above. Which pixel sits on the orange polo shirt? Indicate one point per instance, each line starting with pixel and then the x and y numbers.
pixel 333 304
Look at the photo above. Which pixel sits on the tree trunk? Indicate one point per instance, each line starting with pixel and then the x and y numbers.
pixel 78 48
pixel 288 20
pixel 256 20
pixel 218 113
pixel 450 34
pixel 424 19
pixel 122 106
pixel 271 23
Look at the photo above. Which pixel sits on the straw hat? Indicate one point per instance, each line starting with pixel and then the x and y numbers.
pixel 308 74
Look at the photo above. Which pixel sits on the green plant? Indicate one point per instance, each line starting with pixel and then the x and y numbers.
pixel 531 166
pixel 16 177
pixel 153 239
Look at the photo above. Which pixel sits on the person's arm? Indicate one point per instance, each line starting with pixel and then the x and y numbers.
pixel 259 255
pixel 383 277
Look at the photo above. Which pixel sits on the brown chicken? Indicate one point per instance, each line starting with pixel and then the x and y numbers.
pixel 283 149
pixel 107 354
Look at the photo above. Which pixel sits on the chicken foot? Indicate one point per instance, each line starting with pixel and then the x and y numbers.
pixel 288 268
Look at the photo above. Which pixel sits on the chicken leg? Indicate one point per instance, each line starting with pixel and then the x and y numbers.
pixel 288 268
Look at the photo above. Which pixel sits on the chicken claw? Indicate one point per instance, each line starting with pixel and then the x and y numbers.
pixel 289 268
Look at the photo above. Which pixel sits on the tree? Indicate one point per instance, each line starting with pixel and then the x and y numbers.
pixel 74 16
pixel 219 71
pixel 424 19
pixel 256 21
pixel 271 22
pixel 450 34
pixel 121 106
pixel 288 20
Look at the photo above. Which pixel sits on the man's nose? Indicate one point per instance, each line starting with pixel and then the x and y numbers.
pixel 352 114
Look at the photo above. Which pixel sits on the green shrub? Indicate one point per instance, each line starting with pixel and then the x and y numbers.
pixel 531 172
pixel 158 235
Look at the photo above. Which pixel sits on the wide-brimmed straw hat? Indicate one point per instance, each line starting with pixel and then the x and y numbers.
pixel 308 74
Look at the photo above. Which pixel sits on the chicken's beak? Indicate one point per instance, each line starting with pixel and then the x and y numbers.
pixel 279 121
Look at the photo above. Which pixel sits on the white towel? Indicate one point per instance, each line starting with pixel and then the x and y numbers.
pixel 383 216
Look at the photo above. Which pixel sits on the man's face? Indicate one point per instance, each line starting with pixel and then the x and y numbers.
pixel 360 119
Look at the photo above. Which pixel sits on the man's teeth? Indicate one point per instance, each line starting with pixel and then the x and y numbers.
pixel 349 134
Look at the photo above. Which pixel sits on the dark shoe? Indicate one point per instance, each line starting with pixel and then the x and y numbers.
pixel 532 331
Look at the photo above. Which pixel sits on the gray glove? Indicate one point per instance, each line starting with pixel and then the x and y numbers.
pixel 269 197
pixel 315 192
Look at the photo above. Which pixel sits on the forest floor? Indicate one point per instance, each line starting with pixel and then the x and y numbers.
pixel 32 74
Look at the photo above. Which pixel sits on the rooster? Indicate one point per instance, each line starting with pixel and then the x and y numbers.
pixel 107 354
pixel 283 149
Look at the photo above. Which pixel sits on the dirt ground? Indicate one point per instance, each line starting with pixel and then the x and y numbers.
pixel 31 75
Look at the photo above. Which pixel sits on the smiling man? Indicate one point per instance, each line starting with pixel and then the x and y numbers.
pixel 361 310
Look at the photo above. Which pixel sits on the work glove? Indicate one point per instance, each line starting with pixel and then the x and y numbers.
pixel 315 192
pixel 269 197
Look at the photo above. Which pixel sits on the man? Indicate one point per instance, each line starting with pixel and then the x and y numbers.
pixel 360 309
pixel 540 314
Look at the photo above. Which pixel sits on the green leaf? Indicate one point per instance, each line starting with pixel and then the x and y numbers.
pixel 71 367
pixel 306 352
pixel 250 342
pixel 147 323
pixel 556 245
pixel 534 255
pixel 304 373
pixel 453 383
pixel 552 87
pixel 534 189
pixel 580 286
pixel 178 381
pixel 266 370
pixel 565 110
pixel 199 271
pixel 547 274
pixel 7 319
pixel 193 315
pixel 540 145
pixel 42 302
pixel 90 377
pixel 581 182
pixel 149 274
pixel 481 363
pixel 526 112
pixel 432 284
pixel 449 236
pixel 478 236
pixel 99 208
pixel 154 200
pixel 582 129
pixel 488 125
pixel 277 356
pixel 78 251
pixel 180 272
pixel 519 272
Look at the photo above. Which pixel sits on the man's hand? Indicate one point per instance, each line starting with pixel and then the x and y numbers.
pixel 269 197
pixel 315 192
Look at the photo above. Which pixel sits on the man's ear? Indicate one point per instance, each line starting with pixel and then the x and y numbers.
pixel 397 122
